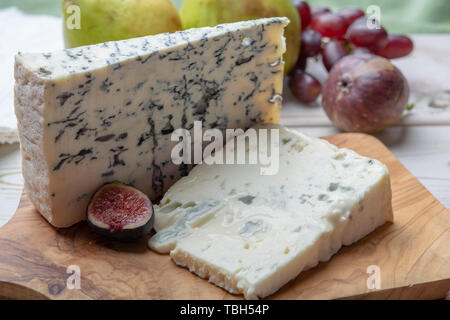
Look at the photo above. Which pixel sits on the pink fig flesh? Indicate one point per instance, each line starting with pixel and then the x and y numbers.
pixel 365 93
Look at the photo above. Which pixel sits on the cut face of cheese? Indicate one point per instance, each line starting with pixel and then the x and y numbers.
pixel 251 234
pixel 100 113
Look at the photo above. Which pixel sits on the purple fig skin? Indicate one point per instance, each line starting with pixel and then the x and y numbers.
pixel 332 52
pixel 365 93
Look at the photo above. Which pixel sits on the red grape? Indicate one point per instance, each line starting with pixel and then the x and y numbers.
pixel 330 25
pixel 361 35
pixel 311 41
pixel 397 46
pixel 351 14
pixel 304 86
pixel 304 11
pixel 332 52
pixel 317 10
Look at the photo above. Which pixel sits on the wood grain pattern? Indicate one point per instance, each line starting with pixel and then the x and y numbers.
pixel 413 255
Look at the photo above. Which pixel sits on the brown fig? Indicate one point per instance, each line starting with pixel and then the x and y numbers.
pixel 365 93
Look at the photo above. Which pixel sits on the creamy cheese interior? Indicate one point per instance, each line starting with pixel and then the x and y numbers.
pixel 251 234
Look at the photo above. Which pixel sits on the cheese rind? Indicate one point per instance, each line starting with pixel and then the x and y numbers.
pixel 100 113
pixel 259 232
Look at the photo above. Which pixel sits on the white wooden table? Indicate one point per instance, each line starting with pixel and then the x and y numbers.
pixel 421 141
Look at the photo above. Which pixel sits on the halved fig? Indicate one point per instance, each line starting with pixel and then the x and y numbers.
pixel 120 212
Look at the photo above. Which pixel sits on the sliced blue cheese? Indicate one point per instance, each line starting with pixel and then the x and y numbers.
pixel 95 114
pixel 251 234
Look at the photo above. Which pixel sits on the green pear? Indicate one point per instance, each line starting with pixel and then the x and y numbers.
pixel 95 21
pixel 202 13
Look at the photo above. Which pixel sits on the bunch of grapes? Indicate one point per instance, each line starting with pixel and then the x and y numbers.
pixel 335 35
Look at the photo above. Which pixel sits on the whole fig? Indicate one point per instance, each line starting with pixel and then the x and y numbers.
pixel 365 93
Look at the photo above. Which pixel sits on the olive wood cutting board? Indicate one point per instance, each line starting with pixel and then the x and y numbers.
pixel 413 255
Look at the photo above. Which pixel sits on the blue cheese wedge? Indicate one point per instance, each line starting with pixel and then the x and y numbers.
pixel 251 234
pixel 100 113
